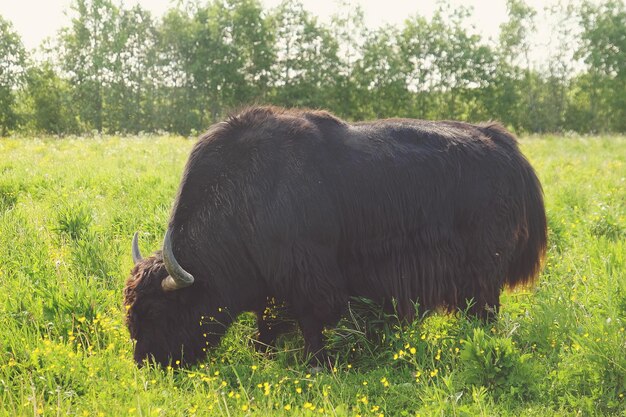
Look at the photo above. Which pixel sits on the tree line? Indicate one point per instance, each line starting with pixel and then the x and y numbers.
pixel 121 70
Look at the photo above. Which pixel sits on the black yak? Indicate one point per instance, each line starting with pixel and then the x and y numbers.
pixel 305 208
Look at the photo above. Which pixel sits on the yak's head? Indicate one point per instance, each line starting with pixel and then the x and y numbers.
pixel 168 316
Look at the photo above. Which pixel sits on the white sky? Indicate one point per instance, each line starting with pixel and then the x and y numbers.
pixel 36 20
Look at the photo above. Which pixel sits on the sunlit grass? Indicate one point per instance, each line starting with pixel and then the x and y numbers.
pixel 69 207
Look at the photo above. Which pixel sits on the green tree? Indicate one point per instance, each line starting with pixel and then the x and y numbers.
pixel 46 102
pixel 219 56
pixel 128 93
pixel 85 53
pixel 417 50
pixel 349 31
pixel 381 76
pixel 560 67
pixel 12 70
pixel 306 68
pixel 603 49
pixel 448 66
pixel 463 64
pixel 177 100
pixel 516 95
pixel 116 69
pixel 254 45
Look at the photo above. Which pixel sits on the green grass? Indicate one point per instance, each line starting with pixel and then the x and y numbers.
pixel 69 207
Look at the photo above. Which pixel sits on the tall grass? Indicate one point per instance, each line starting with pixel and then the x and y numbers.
pixel 69 207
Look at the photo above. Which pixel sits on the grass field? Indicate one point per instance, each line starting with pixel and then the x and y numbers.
pixel 69 207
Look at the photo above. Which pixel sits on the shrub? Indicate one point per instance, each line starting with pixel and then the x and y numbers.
pixel 496 364
pixel 73 221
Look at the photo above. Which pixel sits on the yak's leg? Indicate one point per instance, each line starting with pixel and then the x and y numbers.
pixel 312 322
pixel 314 349
pixel 273 321
pixel 485 304
pixel 486 273
pixel 268 331
pixel 485 310
pixel 266 335
pixel 320 300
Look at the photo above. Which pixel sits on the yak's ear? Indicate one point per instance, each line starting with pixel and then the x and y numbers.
pixel 169 284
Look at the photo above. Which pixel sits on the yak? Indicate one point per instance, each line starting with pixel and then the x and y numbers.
pixel 303 207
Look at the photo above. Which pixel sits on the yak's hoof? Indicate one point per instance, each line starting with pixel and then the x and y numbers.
pixel 316 370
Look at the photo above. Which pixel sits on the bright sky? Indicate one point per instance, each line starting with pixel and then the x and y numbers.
pixel 36 20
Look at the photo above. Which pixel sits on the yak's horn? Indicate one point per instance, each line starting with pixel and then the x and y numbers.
pixel 178 278
pixel 136 253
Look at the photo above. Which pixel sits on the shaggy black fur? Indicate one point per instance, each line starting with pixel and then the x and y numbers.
pixel 303 207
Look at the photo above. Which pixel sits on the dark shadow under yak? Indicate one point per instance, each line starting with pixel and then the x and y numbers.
pixel 305 208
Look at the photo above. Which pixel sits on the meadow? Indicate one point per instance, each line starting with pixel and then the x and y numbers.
pixel 69 208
